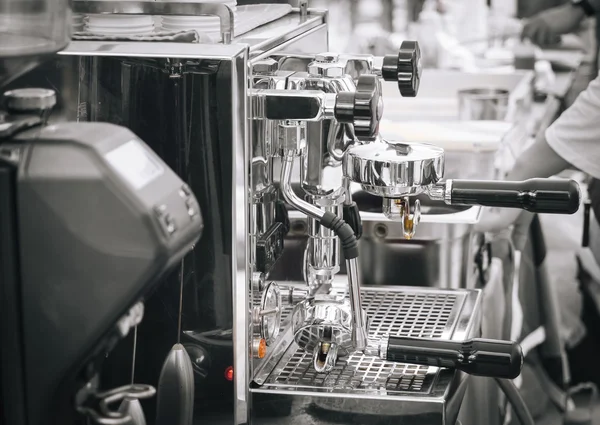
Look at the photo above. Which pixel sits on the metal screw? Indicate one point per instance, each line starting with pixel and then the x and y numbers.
pixel 381 230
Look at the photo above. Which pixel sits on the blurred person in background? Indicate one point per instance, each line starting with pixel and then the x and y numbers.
pixel 556 18
pixel 528 8
pixel 573 141
pixel 548 20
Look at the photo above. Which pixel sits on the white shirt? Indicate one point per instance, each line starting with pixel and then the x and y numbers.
pixel 575 135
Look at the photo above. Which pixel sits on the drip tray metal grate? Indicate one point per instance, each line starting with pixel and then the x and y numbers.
pixel 412 312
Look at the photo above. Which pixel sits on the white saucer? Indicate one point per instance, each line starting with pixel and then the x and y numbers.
pixel 118 27
pixel 177 18
pixel 119 20
pixel 119 31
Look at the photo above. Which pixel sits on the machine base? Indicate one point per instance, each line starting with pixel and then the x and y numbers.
pixel 366 389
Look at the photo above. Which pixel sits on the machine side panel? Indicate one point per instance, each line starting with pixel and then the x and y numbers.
pixel 12 410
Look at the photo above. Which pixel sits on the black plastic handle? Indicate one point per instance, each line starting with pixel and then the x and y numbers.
pixel 547 196
pixel 480 357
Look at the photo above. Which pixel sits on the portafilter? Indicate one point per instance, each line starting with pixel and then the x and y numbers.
pixel 396 171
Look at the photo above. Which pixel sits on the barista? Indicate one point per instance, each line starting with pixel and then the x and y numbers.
pixel 572 141
pixel 546 27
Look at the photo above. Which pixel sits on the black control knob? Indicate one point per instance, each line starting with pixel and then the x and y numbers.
pixel 362 108
pixel 405 68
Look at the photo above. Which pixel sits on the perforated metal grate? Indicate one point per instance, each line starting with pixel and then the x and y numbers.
pixel 414 314
pixel 418 315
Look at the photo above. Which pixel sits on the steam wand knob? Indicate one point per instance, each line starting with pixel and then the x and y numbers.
pixel 404 68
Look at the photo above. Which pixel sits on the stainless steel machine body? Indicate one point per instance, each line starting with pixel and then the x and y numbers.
pixel 290 380
pixel 339 365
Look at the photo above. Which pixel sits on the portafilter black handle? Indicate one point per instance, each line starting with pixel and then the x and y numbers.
pixel 546 196
pixel 480 357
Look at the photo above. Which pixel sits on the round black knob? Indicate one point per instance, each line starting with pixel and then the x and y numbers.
pixel 362 108
pixel 404 68
pixel 368 107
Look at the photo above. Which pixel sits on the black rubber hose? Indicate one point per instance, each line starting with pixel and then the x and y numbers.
pixel 516 401
pixel 352 217
pixel 344 231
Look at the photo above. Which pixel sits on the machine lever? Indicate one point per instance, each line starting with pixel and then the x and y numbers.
pixel 544 196
pixel 480 357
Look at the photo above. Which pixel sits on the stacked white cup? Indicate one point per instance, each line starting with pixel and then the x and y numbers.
pixel 207 25
pixel 114 24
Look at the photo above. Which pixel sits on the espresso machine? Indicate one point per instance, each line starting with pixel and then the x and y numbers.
pixel 91 220
pixel 262 125
pixel 335 351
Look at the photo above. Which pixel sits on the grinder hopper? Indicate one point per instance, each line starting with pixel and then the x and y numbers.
pixel 31 31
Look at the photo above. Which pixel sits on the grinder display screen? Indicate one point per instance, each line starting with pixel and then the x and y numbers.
pixel 134 163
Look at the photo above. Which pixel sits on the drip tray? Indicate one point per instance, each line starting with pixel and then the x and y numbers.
pixel 405 311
